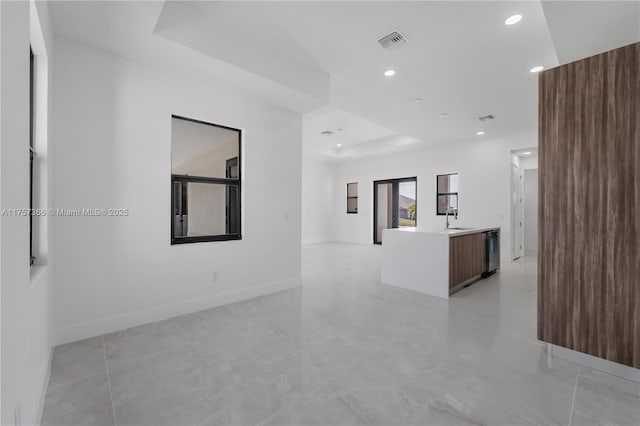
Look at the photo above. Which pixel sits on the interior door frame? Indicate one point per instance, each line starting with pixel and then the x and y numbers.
pixel 394 200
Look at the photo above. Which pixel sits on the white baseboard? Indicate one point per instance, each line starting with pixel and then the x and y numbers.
pixel 43 391
pixel 98 327
pixel 311 242
pixel 358 242
pixel 594 362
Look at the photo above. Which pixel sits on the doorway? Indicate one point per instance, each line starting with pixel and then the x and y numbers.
pixel 517 219
pixel 524 202
pixel 394 205
pixel 531 212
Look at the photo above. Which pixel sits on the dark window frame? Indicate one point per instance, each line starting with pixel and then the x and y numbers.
pixel 438 194
pixel 396 182
pixel 32 152
pixel 351 198
pixel 227 182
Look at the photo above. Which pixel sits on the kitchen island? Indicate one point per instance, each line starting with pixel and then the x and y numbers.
pixel 437 262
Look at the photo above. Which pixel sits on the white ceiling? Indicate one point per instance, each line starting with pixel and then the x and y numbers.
pixel 528 157
pixel 354 134
pixel 322 59
pixel 591 27
pixel 532 152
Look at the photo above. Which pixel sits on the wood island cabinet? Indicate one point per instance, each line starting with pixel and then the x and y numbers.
pixel 466 257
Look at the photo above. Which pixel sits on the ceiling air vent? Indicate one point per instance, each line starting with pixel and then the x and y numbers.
pixel 393 40
pixel 486 118
pixel 327 133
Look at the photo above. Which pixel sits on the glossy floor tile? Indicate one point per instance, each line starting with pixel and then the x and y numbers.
pixel 342 350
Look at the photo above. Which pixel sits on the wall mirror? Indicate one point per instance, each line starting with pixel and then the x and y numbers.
pixel 446 193
pixel 205 181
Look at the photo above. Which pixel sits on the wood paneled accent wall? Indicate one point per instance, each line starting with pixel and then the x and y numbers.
pixel 589 206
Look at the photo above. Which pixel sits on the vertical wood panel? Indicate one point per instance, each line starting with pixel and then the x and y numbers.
pixel 466 257
pixel 589 207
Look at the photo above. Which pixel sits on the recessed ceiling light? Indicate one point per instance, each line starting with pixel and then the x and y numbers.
pixel 480 133
pixel 526 153
pixel 338 145
pixel 537 68
pixel 513 19
pixel 389 73
pixel 443 114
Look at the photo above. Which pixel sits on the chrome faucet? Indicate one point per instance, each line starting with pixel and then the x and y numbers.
pixel 452 211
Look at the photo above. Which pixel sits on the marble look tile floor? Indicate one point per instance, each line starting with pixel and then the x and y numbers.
pixel 342 350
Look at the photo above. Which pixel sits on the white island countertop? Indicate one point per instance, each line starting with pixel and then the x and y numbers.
pixel 451 231
pixel 418 258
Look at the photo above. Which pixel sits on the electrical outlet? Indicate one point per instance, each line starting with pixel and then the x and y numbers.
pixel 215 277
pixel 17 421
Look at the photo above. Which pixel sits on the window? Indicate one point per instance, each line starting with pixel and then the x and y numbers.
pixel 352 197
pixel 447 193
pixel 32 152
pixel 394 205
pixel 205 181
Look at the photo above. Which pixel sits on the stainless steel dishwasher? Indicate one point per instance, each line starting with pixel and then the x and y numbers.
pixel 492 252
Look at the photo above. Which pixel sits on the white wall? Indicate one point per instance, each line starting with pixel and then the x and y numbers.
pixel 212 163
pixel 25 292
pixel 484 171
pixel 206 207
pixel 531 212
pixel 318 207
pixel 528 163
pixel 113 150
